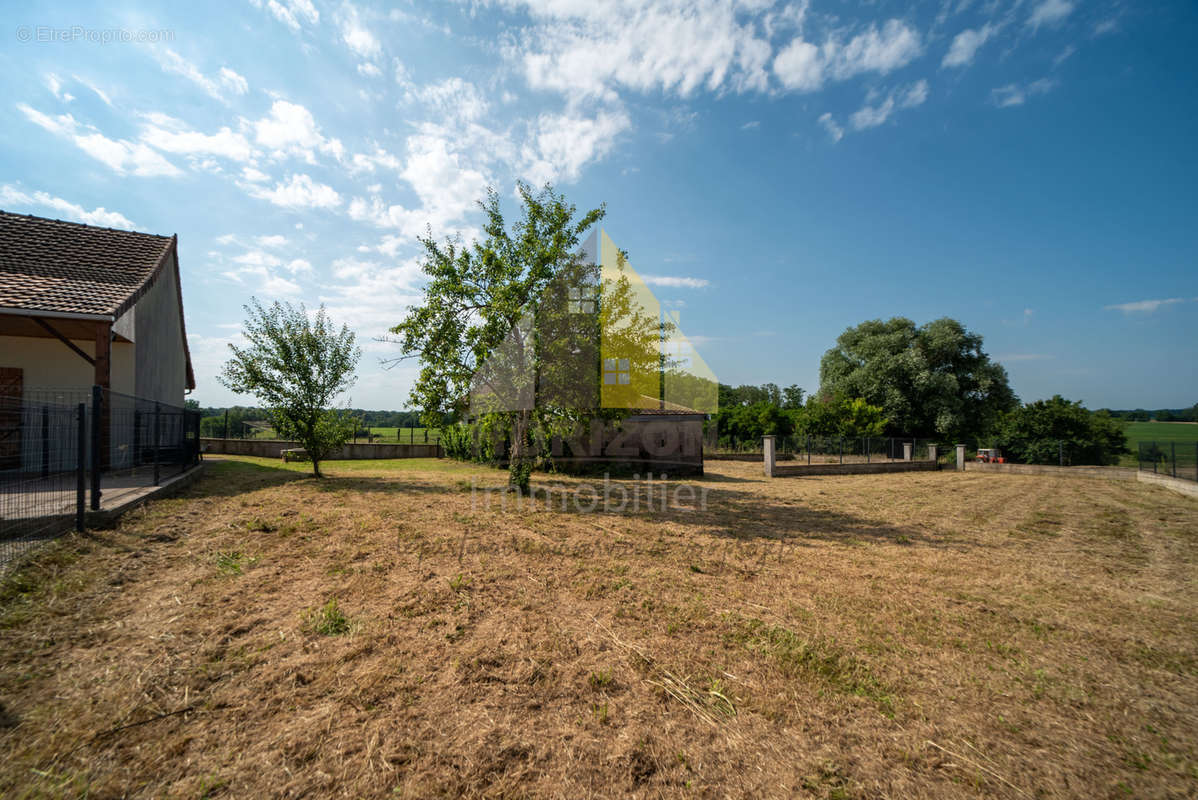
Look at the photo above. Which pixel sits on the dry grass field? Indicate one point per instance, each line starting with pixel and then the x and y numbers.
pixel 380 634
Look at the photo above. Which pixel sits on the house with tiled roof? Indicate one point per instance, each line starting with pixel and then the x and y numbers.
pixel 84 306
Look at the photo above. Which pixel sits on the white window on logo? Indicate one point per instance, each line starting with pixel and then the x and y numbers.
pixel 616 372
pixel 581 300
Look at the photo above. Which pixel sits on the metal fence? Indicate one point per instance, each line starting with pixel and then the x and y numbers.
pixel 65 452
pixel 1177 459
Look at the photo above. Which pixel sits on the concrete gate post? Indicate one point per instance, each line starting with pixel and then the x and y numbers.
pixel 769 455
pixel 907 450
pixel 960 458
pixel 932 454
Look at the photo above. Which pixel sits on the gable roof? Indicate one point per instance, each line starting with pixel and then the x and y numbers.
pixel 68 268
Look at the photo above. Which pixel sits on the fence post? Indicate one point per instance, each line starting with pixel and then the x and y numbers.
pixel 157 431
pixel 907 448
pixel 1173 456
pixel 933 456
pixel 97 402
pixel 768 455
pixel 866 449
pixel 45 441
pixel 960 458
pixel 80 465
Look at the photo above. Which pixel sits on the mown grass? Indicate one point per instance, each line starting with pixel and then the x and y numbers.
pixel 377 634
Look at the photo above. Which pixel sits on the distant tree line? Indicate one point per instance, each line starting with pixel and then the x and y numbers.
pixel 212 420
pixel 1160 415
pixel 894 378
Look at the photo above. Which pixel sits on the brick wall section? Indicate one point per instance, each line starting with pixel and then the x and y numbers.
pixel 1110 473
pixel 273 448
pixel 855 469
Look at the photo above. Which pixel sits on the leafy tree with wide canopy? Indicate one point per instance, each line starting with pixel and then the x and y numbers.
pixel 1043 431
pixel 930 380
pixel 297 366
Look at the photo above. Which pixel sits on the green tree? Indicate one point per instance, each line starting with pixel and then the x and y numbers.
pixel 297 366
pixel 477 309
pixel 933 379
pixel 838 416
pixel 1036 433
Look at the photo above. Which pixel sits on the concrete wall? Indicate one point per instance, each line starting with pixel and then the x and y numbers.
pixel 860 468
pixel 1110 473
pixel 1169 482
pixel 161 366
pixel 273 448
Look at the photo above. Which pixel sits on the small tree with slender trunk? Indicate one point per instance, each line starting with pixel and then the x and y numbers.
pixel 296 365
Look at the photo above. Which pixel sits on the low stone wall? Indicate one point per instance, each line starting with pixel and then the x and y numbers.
pixel 1169 482
pixel 273 448
pixel 1109 473
pixel 860 468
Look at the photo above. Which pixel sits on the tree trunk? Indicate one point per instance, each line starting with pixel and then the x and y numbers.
pixel 316 468
pixel 519 466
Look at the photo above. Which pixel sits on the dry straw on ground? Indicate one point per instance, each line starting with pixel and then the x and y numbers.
pixel 376 634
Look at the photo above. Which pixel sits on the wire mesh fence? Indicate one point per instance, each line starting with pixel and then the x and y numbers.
pixel 66 452
pixel 1176 459
pixel 853 449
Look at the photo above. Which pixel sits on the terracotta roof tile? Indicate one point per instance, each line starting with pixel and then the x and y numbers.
pixel 50 265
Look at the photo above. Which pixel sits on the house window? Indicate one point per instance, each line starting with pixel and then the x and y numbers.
pixel 582 300
pixel 616 372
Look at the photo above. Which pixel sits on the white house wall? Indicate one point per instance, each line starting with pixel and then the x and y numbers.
pixel 48 364
pixel 161 367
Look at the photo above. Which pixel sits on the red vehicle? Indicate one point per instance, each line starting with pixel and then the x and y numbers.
pixel 990 455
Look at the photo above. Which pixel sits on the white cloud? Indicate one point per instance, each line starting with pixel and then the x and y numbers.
pixel 271 241
pixel 1144 306
pixel 299 191
pixel 54 84
pixel 590 49
pixel 453 99
pixel 560 145
pixel 225 80
pixel 233 82
pixel 872 116
pixel 254 175
pixel 674 282
pixel 357 37
pixel 1015 95
pixel 290 129
pixel 172 136
pixel 799 66
pixel 965 46
pixel 12 196
pixel 100 93
pixel 834 130
pixel 1050 12
pixel 751 125
pixel 446 184
pixel 370 70
pixel 803 67
pixel 120 155
pixel 289 12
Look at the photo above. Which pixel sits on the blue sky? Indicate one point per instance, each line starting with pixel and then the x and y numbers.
pixel 781 170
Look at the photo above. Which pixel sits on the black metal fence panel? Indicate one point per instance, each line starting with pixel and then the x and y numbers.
pixel 64 452
pixel 1176 459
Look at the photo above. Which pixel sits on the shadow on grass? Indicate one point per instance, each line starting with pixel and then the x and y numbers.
pixel 729 512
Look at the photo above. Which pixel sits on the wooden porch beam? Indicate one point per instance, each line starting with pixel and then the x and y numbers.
pixel 58 335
